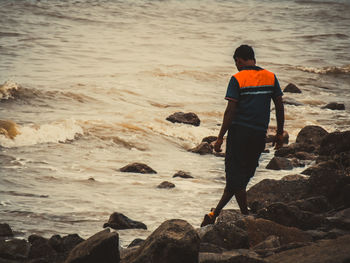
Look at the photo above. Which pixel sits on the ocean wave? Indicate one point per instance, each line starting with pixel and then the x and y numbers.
pixel 8 90
pixel 60 131
pixel 327 70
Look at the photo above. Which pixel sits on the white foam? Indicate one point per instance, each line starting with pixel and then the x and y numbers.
pixel 59 131
pixel 7 89
pixel 327 70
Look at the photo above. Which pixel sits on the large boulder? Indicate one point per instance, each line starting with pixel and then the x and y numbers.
pixel 101 247
pixel 340 219
pixel 311 135
pixel 314 204
pixel 279 163
pixel 40 248
pixel 120 221
pixel 236 256
pixel 289 215
pixel 14 249
pixel 5 230
pixel 335 143
pixel 260 229
pixel 324 251
pixel 224 234
pixel 270 191
pixel 138 168
pixel 173 241
pixel 186 118
pixel 66 243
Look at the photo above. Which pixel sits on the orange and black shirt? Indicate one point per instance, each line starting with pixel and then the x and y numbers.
pixel 253 88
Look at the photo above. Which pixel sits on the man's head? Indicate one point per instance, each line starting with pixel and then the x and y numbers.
pixel 244 56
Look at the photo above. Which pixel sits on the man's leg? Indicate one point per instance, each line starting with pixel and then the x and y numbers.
pixel 241 197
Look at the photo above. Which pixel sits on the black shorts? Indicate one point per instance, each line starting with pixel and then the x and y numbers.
pixel 244 146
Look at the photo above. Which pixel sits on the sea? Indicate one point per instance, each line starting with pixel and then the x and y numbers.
pixel 90 83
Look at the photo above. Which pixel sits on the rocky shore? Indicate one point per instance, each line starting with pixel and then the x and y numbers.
pixel 300 218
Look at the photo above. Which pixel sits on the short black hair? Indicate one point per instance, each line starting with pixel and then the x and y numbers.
pixel 245 52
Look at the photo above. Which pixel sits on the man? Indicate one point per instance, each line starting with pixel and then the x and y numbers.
pixel 246 119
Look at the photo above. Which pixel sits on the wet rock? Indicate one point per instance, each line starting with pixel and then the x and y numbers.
pixel 305 156
pixel 293 177
pixel 224 234
pixel 120 221
pixel 270 242
pixel 340 196
pixel 5 230
pixel 324 251
pixel 271 136
pixel 203 148
pixel 341 219
pixel 136 242
pixel 182 174
pixel 279 163
pixel 210 248
pixel 292 88
pixel 297 163
pixel 101 247
pixel 291 150
pixel 311 135
pixel 236 256
pixel 292 216
pixel 260 229
pixel 229 215
pixel 14 249
pixel 335 143
pixel 66 243
pixel 290 101
pixel 209 139
pixel 270 191
pixel 186 118
pixel 334 106
pixel 172 242
pixel 138 168
pixel 166 185
pixel 320 167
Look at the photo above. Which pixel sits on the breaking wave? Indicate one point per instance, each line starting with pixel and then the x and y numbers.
pixel 8 90
pixel 60 131
pixel 327 70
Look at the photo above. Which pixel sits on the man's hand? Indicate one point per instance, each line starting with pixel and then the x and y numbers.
pixel 217 144
pixel 278 141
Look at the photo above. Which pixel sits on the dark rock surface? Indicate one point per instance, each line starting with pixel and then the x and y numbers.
pixel 203 148
pixel 120 221
pixel 186 118
pixel 101 247
pixel 334 106
pixel 234 256
pixel 138 168
pixel 292 88
pixel 324 251
pixel 5 230
pixel 279 163
pixel 173 241
pixel 209 139
pixel 291 101
pixel 14 249
pixel 166 185
pixel 182 174
pixel 136 242
pixel 311 135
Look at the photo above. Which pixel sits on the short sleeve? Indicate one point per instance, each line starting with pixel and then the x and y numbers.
pixel 277 89
pixel 232 92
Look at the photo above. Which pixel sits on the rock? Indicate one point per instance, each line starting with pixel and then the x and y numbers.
pixel 324 251
pixel 334 106
pixel 226 235
pixel 182 174
pixel 120 221
pixel 40 248
pixel 138 168
pixel 305 156
pixel 279 163
pixel 166 185
pixel 270 191
pixel 186 118
pixel 14 249
pixel 9 129
pixel 292 88
pixel 269 242
pixel 101 247
pixel 5 230
pixel 65 244
pixel 341 219
pixel 290 101
pixel 210 248
pixel 334 143
pixel 293 177
pixel 173 241
pixel 136 242
pixel 320 167
pixel 271 136
pixel 209 139
pixel 203 148
pixel 234 256
pixel 297 163
pixel 229 215
pixel 340 196
pixel 260 229
pixel 292 216
pixel 315 204
pixel 311 135
pixel 291 150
